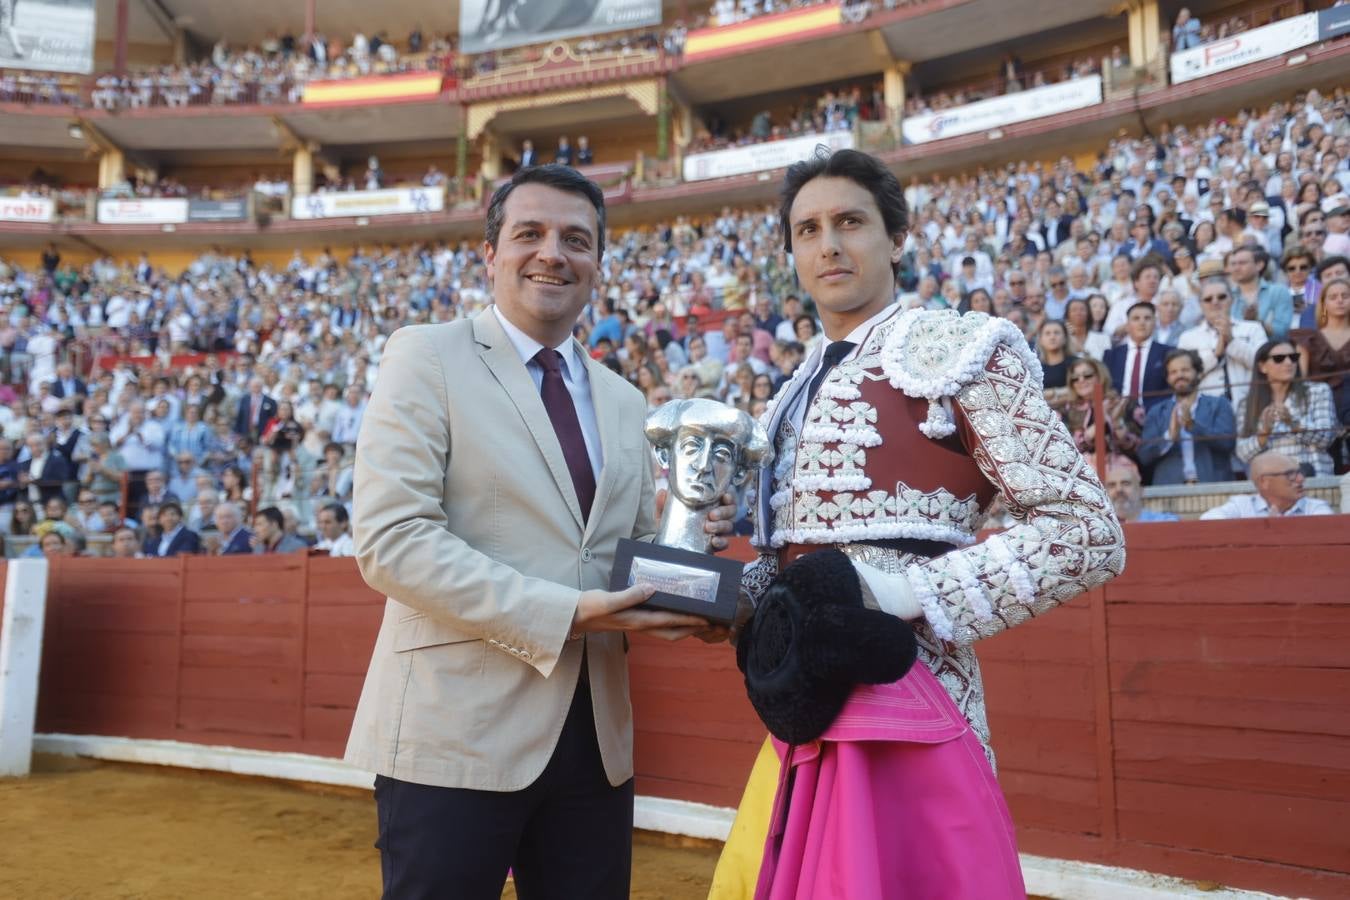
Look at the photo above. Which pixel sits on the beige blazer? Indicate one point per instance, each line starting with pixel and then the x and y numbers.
pixel 464 515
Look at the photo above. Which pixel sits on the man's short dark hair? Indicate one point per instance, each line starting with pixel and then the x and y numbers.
pixel 866 171
pixel 273 515
pixel 1330 262
pixel 1196 362
pixel 173 505
pixel 1146 263
pixel 563 178
pixel 338 510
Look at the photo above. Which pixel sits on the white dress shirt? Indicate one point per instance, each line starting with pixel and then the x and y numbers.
pixel 1238 359
pixel 343 546
pixel 1254 506
pixel 1132 350
pixel 574 376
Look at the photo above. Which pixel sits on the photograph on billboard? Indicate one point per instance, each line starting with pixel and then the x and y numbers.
pixel 49 35
pixel 499 24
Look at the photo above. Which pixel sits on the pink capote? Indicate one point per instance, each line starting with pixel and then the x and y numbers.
pixel 897 800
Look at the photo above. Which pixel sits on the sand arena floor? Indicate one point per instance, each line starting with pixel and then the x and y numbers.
pixel 85 829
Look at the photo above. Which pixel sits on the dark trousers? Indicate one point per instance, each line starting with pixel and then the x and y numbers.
pixel 568 836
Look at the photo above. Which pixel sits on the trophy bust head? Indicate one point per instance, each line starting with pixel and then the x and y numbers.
pixel 708 448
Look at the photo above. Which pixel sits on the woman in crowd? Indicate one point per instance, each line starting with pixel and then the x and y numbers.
pixel 285 462
pixel 1203 240
pixel 633 356
pixel 807 331
pixel 234 486
pixel 1052 349
pixel 646 378
pixel 1182 277
pixel 762 388
pixel 1287 414
pixel 23 519
pixel 1099 309
pixel 1079 412
pixel 1119 285
pixel 1326 352
pixel 978 300
pixel 1083 340
pixel 740 383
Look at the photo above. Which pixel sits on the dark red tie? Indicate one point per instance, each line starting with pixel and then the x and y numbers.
pixel 1136 370
pixel 563 414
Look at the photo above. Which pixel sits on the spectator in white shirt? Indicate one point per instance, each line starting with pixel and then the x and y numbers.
pixel 140 440
pixel 332 523
pixel 1227 348
pixel 1279 492
pixel 347 422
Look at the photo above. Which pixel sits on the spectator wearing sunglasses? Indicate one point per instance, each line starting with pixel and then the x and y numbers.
pixel 1287 414
pixel 1297 263
pixel 1279 492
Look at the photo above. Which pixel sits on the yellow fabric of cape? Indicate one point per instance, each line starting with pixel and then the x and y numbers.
pixel 738 867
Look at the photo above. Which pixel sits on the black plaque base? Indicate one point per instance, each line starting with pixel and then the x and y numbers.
pixel 699 584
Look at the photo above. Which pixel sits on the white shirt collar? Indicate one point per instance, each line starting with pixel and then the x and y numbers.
pixel 527 346
pixel 856 335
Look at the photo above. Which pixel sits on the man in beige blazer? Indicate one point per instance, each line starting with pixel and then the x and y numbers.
pixel 494 477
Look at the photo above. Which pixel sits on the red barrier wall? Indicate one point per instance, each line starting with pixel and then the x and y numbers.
pixel 1189 718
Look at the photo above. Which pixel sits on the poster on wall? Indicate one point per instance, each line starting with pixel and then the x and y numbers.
pixel 48 35
pixel 499 24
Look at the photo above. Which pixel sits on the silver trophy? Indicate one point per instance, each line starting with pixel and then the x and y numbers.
pixel 708 448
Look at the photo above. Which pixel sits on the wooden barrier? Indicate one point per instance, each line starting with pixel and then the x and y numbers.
pixel 1189 718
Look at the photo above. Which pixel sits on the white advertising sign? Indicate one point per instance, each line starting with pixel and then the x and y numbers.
pixel 761 157
pixel 1018 107
pixel 345 204
pixel 51 35
pixel 156 211
pixel 35 209
pixel 1261 43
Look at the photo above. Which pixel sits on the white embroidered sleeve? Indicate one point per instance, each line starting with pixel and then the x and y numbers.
pixel 1067 538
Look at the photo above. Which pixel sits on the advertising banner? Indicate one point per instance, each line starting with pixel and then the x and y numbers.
pixel 1261 43
pixel 499 24
pixel 155 211
pixel 761 157
pixel 1333 23
pixel 217 210
pixel 50 35
pixel 33 209
pixel 368 203
pixel 1019 107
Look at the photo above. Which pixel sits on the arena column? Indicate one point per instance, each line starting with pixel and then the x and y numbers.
pixel 663 121
pixel 302 171
pixel 462 154
pixel 893 93
pixel 112 168
pixel 1145 34
pixel 123 18
pixel 491 147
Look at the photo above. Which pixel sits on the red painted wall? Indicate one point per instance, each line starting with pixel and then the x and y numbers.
pixel 1189 718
